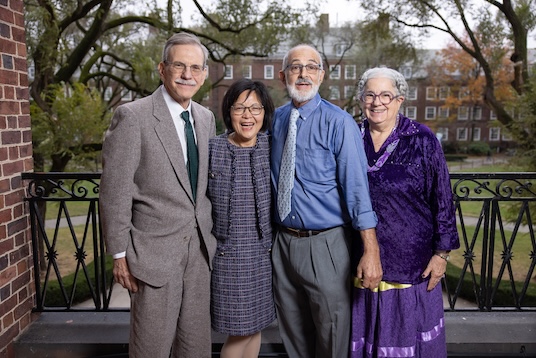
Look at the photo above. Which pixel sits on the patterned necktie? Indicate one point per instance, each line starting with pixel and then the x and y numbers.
pixel 192 162
pixel 288 164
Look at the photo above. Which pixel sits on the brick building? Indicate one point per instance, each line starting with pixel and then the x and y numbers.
pixel 16 269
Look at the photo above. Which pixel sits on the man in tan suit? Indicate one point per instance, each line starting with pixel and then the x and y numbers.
pixel 155 214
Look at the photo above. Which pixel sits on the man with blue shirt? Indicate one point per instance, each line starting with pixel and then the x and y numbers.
pixel 322 200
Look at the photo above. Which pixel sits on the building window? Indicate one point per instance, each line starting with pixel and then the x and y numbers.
pixel 126 95
pixel 349 72
pixel 443 112
pixel 463 93
pixel 206 96
pixel 412 93
pixel 477 113
pixel 228 72
pixel 108 93
pixel 335 72
pixel 430 113
pixel 463 113
pixel 340 49
pixel 349 92
pixel 444 92
pixel 334 92
pixel 461 133
pixel 268 72
pixel 406 71
pixel 492 116
pixel 431 93
pixel 494 134
pixel 246 71
pixel 411 112
pixel 476 134
pixel 442 134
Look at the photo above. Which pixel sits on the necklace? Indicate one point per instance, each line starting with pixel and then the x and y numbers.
pixel 390 148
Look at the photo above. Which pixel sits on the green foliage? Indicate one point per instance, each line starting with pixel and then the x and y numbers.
pixel 76 120
pixel 478 148
pixel 54 296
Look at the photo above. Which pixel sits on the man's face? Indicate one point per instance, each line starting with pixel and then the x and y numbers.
pixel 302 75
pixel 181 72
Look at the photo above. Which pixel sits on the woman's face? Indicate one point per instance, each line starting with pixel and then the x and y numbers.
pixel 380 101
pixel 247 117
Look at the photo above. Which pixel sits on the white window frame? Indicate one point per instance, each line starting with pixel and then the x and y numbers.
pixel 411 112
pixel 443 112
pixel 494 134
pixel 268 72
pixel 463 113
pixel 349 91
pixel 412 92
pixel 228 72
pixel 108 92
pixel 246 71
pixel 477 113
pixel 407 72
pixel 444 92
pixel 334 92
pixel 430 113
pixel 461 134
pixel 445 132
pixel 431 93
pixel 476 134
pixel 334 72
pixel 350 72
pixel 463 93
pixel 126 94
pixel 492 116
pixel 339 49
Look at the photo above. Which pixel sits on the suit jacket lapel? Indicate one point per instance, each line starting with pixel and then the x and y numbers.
pixel 167 133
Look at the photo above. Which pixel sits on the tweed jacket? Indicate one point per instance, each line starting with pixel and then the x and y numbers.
pixel 146 203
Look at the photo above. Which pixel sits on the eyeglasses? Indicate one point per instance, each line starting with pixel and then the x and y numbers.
pixel 297 68
pixel 181 67
pixel 385 97
pixel 254 110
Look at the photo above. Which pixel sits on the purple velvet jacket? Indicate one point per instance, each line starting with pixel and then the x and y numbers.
pixel 412 197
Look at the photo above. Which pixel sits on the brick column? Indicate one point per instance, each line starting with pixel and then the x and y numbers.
pixel 16 269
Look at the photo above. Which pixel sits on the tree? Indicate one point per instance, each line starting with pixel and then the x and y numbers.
pixel 505 21
pixel 94 42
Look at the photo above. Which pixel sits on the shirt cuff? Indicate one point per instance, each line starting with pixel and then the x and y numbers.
pixel 119 255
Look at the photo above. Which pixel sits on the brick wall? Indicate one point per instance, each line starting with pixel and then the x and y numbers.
pixel 16 270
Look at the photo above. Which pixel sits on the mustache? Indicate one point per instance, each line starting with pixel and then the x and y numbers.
pixel 180 81
pixel 303 80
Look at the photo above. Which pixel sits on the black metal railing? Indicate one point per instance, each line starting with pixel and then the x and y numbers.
pixel 493 269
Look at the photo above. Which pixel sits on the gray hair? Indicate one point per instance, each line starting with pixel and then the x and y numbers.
pixel 285 59
pixel 184 38
pixel 399 82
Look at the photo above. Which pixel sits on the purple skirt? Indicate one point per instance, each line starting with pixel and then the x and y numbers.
pixel 398 320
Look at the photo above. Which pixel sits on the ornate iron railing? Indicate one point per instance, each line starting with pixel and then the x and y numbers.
pixel 493 269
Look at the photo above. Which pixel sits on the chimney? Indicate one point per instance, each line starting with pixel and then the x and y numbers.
pixel 323 23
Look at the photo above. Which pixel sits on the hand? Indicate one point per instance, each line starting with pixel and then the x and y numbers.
pixel 369 270
pixel 123 276
pixel 436 270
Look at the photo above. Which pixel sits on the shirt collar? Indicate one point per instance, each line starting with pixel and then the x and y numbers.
pixel 175 108
pixel 307 109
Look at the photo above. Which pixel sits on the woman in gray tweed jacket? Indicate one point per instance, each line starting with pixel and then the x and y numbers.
pixel 239 188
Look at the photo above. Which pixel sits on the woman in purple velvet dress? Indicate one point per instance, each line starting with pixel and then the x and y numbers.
pixel 239 187
pixel 411 195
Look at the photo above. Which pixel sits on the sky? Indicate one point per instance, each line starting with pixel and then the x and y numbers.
pixel 341 11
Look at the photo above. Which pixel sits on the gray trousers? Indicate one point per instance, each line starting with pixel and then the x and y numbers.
pixel 175 317
pixel 311 278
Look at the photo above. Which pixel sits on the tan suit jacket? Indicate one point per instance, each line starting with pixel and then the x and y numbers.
pixel 146 203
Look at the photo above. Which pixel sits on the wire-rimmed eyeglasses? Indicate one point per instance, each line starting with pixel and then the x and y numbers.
pixel 255 110
pixel 384 97
pixel 296 68
pixel 181 67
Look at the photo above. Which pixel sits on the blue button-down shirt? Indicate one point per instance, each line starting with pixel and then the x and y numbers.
pixel 331 185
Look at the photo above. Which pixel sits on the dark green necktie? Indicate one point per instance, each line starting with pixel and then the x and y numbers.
pixel 192 162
